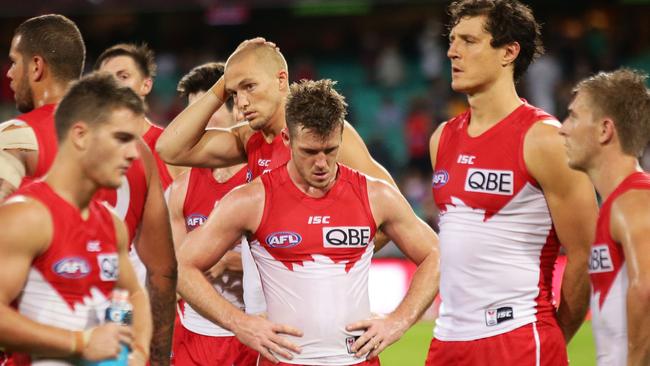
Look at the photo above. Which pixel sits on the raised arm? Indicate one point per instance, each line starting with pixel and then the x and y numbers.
pixel 630 226
pixel 186 142
pixel 572 202
pixel 142 323
pixel 239 213
pixel 154 246
pixel 420 244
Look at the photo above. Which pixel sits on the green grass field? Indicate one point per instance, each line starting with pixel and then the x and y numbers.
pixel 413 347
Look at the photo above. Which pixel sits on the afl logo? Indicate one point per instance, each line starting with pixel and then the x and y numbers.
pixel 249 175
pixel 195 220
pixel 440 178
pixel 283 239
pixel 72 267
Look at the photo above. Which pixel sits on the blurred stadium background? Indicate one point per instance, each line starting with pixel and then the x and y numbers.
pixel 388 56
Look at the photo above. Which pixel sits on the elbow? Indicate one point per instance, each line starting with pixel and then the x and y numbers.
pixel 163 151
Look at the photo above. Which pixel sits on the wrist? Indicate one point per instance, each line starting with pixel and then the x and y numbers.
pixel 218 90
pixel 80 340
pixel 140 351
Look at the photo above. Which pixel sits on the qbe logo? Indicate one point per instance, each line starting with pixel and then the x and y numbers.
pixel 600 261
pixel 490 181
pixel 440 178
pixel 346 236
pixel 108 266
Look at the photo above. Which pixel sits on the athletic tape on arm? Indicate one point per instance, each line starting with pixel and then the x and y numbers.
pixel 11 168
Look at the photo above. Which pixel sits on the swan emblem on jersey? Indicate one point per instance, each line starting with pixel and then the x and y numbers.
pixel 71 267
pixel 283 239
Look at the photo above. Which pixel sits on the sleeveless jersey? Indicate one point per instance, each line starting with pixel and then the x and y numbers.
pixel 150 138
pixel 262 156
pixel 203 193
pixel 609 281
pixel 69 285
pixel 41 120
pixel 497 242
pixel 313 255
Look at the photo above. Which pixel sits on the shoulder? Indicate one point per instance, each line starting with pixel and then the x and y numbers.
pixel 381 192
pixel 543 134
pixel 630 215
pixel 543 149
pixel 19 216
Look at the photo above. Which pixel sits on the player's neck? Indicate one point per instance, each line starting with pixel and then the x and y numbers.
pixel 304 186
pixel 48 92
pixel 492 105
pixel 275 125
pixel 610 171
pixel 69 182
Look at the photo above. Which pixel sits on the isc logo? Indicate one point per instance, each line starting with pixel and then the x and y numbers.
pixel 346 236
pixel 195 220
pixel 440 178
pixel 600 260
pixel 318 220
pixel 466 159
pixel 496 316
pixel 490 181
pixel 72 267
pixel 283 239
pixel 263 162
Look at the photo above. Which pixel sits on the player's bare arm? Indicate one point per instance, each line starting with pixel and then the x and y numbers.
pixel 419 243
pixel 186 142
pixel 238 213
pixel 355 154
pixel 433 144
pixel 629 226
pixel 154 245
pixel 142 323
pixel 572 203
pixel 18 247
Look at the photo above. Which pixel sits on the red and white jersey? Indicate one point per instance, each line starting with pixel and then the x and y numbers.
pixel 69 285
pixel 150 138
pixel 264 156
pixel 609 281
pixel 203 193
pixel 314 257
pixel 497 242
pixel 41 120
pixel 128 200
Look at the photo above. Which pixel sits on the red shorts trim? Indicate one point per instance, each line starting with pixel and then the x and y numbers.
pixel 192 349
pixel 536 344
pixel 264 362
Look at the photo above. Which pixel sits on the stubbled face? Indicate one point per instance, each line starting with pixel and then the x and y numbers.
pixel 580 132
pixel 127 74
pixel 222 118
pixel 112 147
pixel 315 157
pixel 19 79
pixel 256 91
pixel 475 64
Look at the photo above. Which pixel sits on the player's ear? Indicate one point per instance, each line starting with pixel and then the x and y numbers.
pixel 37 68
pixel 511 51
pixel 283 80
pixel 285 136
pixel 146 86
pixel 607 131
pixel 79 135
